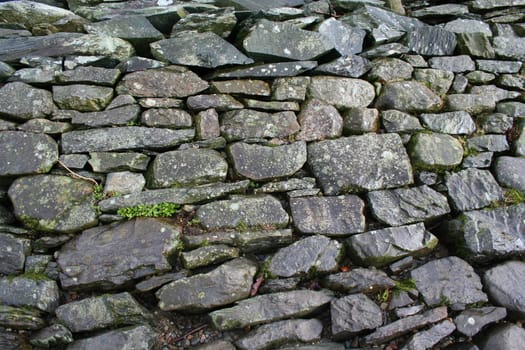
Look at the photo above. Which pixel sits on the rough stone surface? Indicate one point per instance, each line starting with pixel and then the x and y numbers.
pixel 455 64
pixel 358 280
pixel 427 339
pixel 472 189
pixel 387 69
pixel 408 96
pixel 470 103
pixel 37 103
pixel 351 66
pixel 80 97
pixel 504 336
pixel 425 155
pixel 105 162
pixel 352 314
pixel 470 322
pixel 136 337
pixel 246 124
pixel 54 335
pixel 510 172
pixel 208 255
pixel 347 40
pixel 319 121
pixel 504 285
pixel 13 252
pixel 455 123
pixel 27 292
pixel 342 92
pixel 431 41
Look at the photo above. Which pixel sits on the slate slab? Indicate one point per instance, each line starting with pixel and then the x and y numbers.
pixel 105 162
pixel 42 294
pixel 454 123
pixel 358 280
pixel 247 123
pixel 120 116
pixel 267 70
pixel 54 335
pixel 208 255
pixel 13 252
pixel 471 322
pixel 20 101
pixel 431 41
pixel 353 314
pixel 342 92
pixel 346 39
pixel 510 172
pixel 504 285
pixel 425 155
pixel 472 189
pixel 351 66
pixel 138 337
pixel 81 97
pixel 455 64
pixel 319 121
pixel 408 96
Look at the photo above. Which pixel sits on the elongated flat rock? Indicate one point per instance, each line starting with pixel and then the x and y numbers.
pixel 135 337
pixel 504 284
pixel 41 294
pixel 248 123
pixel 408 96
pixel 342 92
pixel 21 101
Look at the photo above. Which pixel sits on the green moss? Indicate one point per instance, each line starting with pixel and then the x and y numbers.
pixel 514 196
pixel 405 285
pixel 383 296
pixel 98 193
pixel 155 210
pixel 241 226
pixel 35 276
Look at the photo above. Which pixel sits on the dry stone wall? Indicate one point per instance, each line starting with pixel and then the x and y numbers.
pixel 283 174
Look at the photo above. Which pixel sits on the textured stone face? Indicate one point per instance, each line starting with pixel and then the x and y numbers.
pixel 84 98
pixel 36 103
pixel 342 92
pixel 408 96
pixel 353 314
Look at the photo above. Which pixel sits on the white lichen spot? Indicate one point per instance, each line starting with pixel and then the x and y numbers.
pixel 163 229
pixel 471 321
pixel 164 2
pixel 287 51
pixel 235 206
pixel 387 155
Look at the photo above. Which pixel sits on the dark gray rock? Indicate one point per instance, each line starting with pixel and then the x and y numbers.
pixel 117 253
pixel 187 167
pixel 504 284
pixel 475 44
pixel 320 346
pixel 383 246
pixel 258 162
pixel 438 80
pixel 425 155
pixel 137 63
pixel 353 314
pixel 269 70
pixel 397 121
pixel 6 71
pixel 80 97
pixel 224 285
pixel 496 93
pixel 509 47
pixel 45 126
pixel 342 92
pixel 312 255
pixel 386 50
pixel 171 118
pixel 271 105
pixel 136 337
pixel 428 338
pixel 36 103
pixel 470 103
pixel 480 77
pixel 206 50
pixel 269 40
pixel 455 123
pixel 261 5
pixel 243 212
pixel 41 293
pixel 292 184
pixel 90 75
pixel 24 317
pixel 274 334
pixel 465 25
pixel 269 308
pixel 53 336
pixel 472 189
pixel 490 143
pixel 248 87
pixel 369 17
pixel 221 22
pixel 350 66
pixel 383 163
pixel 441 10
pixel 220 102
pixel 480 160
pixel 456 64
pixel 408 96
pixel 470 322
pixel 406 325
pixel 105 162
pixel 122 138
pixel 247 123
pixel 407 205
pixel 498 66
pixel 6 217
pixel 512 109
pixel 448 280
pixel 26 153
pixel 347 40
pixel 319 121
pixel 13 252
pixel 52 203
pixel 504 336
pixel 120 116
pixel 510 172
pixel 358 280
pixel 387 69
pixel 105 311
pixel 431 41
pixel 208 255
pixel 332 216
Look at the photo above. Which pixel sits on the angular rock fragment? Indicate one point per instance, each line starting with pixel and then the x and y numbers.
pixel 472 189
pixel 220 102
pixel 271 105
pixel 24 317
pixel 431 41
pixel 456 64
pixel 397 121
pixel 13 252
pixel 358 280
pixel 90 75
pixel 427 339
pixel 408 96
pixel 488 142
pixel 470 103
pixel 319 121
pixel 504 284
pixel 449 122
pixel 387 69
pixel 105 162
pixel 496 93
pixel 80 97
pixel 470 322
pixel 269 70
pixel 20 101
pixel 510 172
pixel 475 44
pixel 351 66
pixel 438 80
pixel 353 314
pixel 54 335
pixel 369 17
pixel 425 154
pixel 246 123
pixel 135 337
pixel 441 10
pixel 346 39
pixel 171 118
pixel 221 22
pixel 208 255
pixel 509 47
pixel 342 92
pixel 42 294
pixel 244 87
pixel 120 116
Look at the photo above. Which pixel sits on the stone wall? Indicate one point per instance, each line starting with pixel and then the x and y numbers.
pixel 262 175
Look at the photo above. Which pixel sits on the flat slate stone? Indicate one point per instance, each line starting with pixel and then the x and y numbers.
pixel 53 203
pixel 122 138
pixel 358 280
pixel 472 189
pixel 268 70
pixel 20 101
pixel 257 162
pixel 24 318
pixel 80 97
pixel 493 4
pixel 388 68
pixel 449 280
pixel 470 322
pixel 425 154
pixel 488 142
pixel 269 308
pixel 350 66
pixel 470 103
pixel 382 163
pixel 90 75
pixel 26 153
pixel 430 337
pixel 368 17
pixel 475 44
pixel 120 116
pixel 512 109
pixel 269 40
pixel 438 80
pixel 105 311
pixel 42 294
pixel 504 285
pixel 496 93
pixel 52 336
pixel 45 126
pixel 510 172
pixel 431 41
pixel 509 47
pixel 220 102
pixel 504 336
pixel 13 252
pixel 207 50
pixel 106 162
pixel 353 314
pixel 316 254
pixel 441 10
pixel 118 254
pixel 187 167
pixel 342 92
pixel 407 205
pixel 136 337
pixel 224 285
pixel 247 123
pixel 455 64
pixel 455 123
pixel 171 118
pixel 332 216
pixel 208 255
pixel 498 66
pixel 346 39
pixel 408 96
pixel 250 87
pixel 246 211
pixel 281 332
pixel 384 246
pixel 319 121
pixel 397 121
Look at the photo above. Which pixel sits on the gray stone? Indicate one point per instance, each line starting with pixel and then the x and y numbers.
pixel 441 10
pixel 408 96
pixel 431 41
pixel 274 334
pixel 425 155
pixel 470 322
pixel 220 102
pixel 506 336
pixel 171 118
pixel 318 121
pixel 40 75
pixel 397 121
pixel 6 71
pixel 351 66
pixel 512 109
pixel 246 124
pixel 53 336
pixel 120 116
pixel 224 285
pixel 271 105
pixel 136 337
pixel 269 40
pixel 479 160
pixel 269 308
pixel 347 40
pixel 6 217
pixel 428 338
pixel 512 81
pixel 387 69
pixel 342 92
pixel 110 310
pixel 36 103
pixel 137 63
pixel 248 87
pixel 498 66
pixel 320 346
pixel 383 163
pixel 332 216
pixel 206 50
pixel 207 125
pixel 84 98
pixel 208 255
pixel 42 294
pixel 25 318
pixel 504 284
pixel 105 162
pixel 496 93
pixel 455 123
pixel 187 167
pixel 509 47
pixel 475 44
pixel 456 64
pixel 358 280
pixel 90 75
pixel 472 189
pixel 353 314
pixel 245 211
pixel 261 163
pixel 171 81
pixel 124 182
pixel 438 80
pixel 493 4
pixel 117 253
pixel 448 280
pixel 491 143
pixel 292 184
pixel 360 120
pixel 407 205
pixel 405 325
pixel 268 70
pixel 122 138
pixel 459 85
pixel 510 172
pixel 26 153
pixel 184 195
pixel 221 22
pixel 369 17
pixel 480 77
pixel 52 203
pixel 311 255
pixel 464 25
pixel 45 126
pixel 384 34
pixel 384 246
pixel 13 252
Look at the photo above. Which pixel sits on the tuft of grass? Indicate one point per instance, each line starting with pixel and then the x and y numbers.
pixel 154 210
pixel 383 296
pixel 98 193
pixel 514 196
pixel 405 285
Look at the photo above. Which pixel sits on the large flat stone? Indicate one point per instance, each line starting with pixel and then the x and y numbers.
pixel 13 252
pixel 472 189
pixel 353 314
pixel 82 97
pixel 408 96
pixel 21 101
pixel 135 337
pixel 247 123
pixel 342 92
pixel 42 294
pixel 505 286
